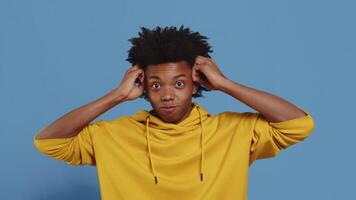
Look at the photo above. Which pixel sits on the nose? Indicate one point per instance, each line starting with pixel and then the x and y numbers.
pixel 167 94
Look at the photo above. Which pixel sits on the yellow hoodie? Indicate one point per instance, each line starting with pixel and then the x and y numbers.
pixel 204 157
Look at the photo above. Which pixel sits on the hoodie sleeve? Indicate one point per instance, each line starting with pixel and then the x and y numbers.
pixel 269 138
pixel 76 150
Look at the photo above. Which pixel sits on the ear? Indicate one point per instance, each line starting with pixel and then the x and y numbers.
pixel 195 88
pixel 195 74
pixel 195 80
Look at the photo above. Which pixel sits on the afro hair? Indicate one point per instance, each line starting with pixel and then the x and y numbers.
pixel 168 44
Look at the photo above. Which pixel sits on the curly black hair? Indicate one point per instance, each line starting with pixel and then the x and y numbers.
pixel 162 45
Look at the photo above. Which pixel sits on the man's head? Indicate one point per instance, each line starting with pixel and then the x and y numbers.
pixel 167 56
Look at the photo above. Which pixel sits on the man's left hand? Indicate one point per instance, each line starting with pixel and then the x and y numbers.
pixel 206 73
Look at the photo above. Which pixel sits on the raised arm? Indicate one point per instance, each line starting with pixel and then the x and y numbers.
pixel 72 123
pixel 273 108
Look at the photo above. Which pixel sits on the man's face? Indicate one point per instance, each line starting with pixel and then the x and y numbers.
pixel 169 87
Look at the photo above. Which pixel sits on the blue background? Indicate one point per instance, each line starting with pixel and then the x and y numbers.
pixel 58 55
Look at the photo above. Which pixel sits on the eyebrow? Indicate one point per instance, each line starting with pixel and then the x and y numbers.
pixel 175 77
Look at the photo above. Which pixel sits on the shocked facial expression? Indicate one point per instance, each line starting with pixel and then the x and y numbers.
pixel 169 87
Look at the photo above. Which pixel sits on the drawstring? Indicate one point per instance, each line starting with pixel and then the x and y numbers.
pixel 201 143
pixel 149 149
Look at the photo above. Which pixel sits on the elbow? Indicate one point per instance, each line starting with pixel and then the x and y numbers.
pixel 36 139
pixel 308 126
pixel 304 126
pixel 294 130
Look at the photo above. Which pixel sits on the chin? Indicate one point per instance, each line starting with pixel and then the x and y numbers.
pixel 169 119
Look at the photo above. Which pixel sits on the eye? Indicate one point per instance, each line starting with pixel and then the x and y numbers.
pixel 155 86
pixel 180 84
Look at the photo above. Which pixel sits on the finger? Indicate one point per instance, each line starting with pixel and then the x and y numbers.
pixel 200 63
pixel 138 74
pixel 213 61
pixel 204 80
pixel 206 84
pixel 198 60
pixel 135 73
pixel 195 70
pixel 206 60
pixel 202 58
pixel 142 77
pixel 195 76
pixel 136 66
pixel 139 83
pixel 135 76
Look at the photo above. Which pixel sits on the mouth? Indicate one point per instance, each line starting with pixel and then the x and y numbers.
pixel 168 109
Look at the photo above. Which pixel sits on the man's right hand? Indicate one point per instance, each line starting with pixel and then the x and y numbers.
pixel 128 88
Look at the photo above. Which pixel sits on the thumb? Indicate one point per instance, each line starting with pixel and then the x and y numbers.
pixel 195 74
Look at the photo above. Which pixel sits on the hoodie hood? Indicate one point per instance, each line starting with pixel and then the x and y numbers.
pixel 195 120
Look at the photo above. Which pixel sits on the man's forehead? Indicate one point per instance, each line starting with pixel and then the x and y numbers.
pixel 168 70
pixel 159 77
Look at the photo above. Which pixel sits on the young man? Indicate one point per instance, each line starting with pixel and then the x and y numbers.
pixel 177 150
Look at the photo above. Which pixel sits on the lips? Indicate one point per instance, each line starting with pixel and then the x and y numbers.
pixel 168 108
